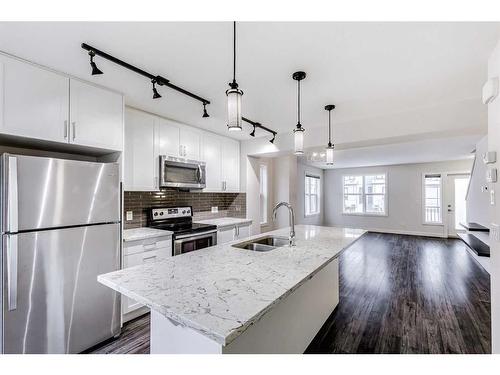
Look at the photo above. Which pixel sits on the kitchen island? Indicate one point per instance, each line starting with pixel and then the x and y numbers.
pixel 224 299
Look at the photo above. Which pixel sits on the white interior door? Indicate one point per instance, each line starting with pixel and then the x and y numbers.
pixel 456 190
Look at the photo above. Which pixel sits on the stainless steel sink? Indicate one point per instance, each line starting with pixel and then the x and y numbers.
pixel 266 243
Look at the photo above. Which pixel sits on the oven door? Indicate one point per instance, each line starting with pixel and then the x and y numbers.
pixel 191 242
pixel 182 173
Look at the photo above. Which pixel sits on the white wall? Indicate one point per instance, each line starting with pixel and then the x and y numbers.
pixel 252 171
pixel 300 218
pixel 478 199
pixel 494 145
pixel 285 189
pixel 404 192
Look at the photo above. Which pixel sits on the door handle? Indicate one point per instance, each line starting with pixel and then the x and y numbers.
pixel 11 245
pixel 74 129
pixel 12 204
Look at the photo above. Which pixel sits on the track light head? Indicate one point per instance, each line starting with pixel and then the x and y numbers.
pixel 252 134
pixel 95 69
pixel 205 113
pixel 156 94
pixel 272 140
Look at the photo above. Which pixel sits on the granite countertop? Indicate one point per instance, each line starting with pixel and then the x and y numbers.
pixel 220 291
pixel 142 233
pixel 225 221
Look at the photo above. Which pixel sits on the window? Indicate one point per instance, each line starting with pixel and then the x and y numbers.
pixel 312 195
pixel 365 195
pixel 432 189
pixel 263 194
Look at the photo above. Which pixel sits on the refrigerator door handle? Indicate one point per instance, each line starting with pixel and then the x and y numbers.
pixel 12 209
pixel 11 245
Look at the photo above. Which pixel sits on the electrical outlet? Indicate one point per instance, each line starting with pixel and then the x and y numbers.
pixel 130 215
pixel 215 209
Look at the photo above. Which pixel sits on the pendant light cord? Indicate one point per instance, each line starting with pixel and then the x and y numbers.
pixel 329 128
pixel 234 51
pixel 298 104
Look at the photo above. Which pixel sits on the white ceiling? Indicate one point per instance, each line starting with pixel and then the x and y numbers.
pixel 367 69
pixel 417 151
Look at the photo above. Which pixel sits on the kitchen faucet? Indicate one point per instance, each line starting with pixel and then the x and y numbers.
pixel 291 237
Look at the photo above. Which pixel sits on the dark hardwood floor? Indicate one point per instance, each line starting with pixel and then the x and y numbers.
pixel 398 294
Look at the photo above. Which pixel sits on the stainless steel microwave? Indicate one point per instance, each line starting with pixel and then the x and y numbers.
pixel 182 173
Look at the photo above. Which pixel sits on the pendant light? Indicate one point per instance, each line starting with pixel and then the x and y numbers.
pixel 234 95
pixel 329 148
pixel 299 130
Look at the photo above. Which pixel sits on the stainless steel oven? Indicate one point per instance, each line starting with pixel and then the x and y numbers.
pixel 194 241
pixel 182 173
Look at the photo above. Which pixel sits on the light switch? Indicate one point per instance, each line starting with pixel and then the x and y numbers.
pixel 215 209
pixel 494 232
pixel 492 197
pixel 130 215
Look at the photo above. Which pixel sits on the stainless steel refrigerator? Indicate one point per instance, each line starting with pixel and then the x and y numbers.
pixel 60 227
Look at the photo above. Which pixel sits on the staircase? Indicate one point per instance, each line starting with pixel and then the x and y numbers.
pixel 477 238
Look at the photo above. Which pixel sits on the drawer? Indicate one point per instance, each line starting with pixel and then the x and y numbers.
pixel 146 257
pixel 149 244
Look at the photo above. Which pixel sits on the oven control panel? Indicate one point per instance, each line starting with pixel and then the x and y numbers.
pixel 170 212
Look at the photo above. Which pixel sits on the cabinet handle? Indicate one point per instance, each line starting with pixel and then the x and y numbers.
pixel 146 259
pixel 65 129
pixel 149 246
pixel 74 129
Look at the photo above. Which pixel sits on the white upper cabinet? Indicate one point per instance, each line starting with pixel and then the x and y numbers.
pixel 212 155
pixel 231 165
pixel 40 104
pixel 35 101
pixel 168 142
pixel 189 143
pixel 178 140
pixel 96 116
pixel 148 136
pixel 141 172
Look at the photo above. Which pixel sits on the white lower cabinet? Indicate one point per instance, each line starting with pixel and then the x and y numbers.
pixel 233 232
pixel 140 252
pixel 225 235
pixel 243 231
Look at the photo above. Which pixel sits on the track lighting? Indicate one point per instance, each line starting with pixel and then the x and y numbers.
pixel 95 69
pixel 329 148
pixel 234 95
pixel 156 94
pixel 272 140
pixel 205 113
pixel 252 134
pixel 299 130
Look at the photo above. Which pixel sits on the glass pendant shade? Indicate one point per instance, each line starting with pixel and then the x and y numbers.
pixel 234 109
pixel 298 141
pixel 329 155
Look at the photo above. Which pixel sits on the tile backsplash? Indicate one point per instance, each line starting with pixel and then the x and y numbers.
pixel 229 204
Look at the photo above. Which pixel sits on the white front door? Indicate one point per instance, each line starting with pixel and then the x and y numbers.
pixel 456 191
